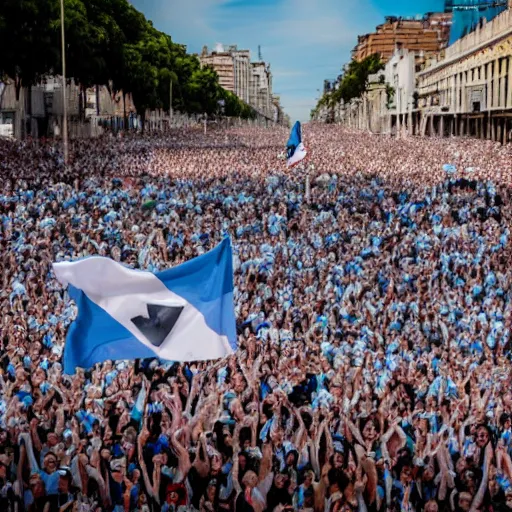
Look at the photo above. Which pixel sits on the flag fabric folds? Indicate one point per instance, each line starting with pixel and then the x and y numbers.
pixel 295 148
pixel 184 313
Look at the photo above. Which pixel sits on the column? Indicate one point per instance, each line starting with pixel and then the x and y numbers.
pixel 509 79
pixel 240 79
pixel 493 129
pixel 496 84
pixel 463 92
pixel 441 126
pixel 246 83
pixel 431 125
pixel 365 113
pixel 454 94
pixel 488 84
pixel 503 73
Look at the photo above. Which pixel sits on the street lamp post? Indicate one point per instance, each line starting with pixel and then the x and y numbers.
pixel 64 95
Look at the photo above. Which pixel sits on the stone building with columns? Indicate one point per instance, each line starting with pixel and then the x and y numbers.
pixel 242 73
pixel 261 88
pixel 425 35
pixel 469 91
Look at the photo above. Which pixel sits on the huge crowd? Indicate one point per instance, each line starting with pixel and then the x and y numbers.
pixel 373 314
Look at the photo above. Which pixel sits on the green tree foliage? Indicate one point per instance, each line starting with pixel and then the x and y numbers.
pixel 353 83
pixel 108 42
pixel 27 40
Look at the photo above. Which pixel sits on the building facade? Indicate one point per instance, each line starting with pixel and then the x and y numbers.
pixel 261 88
pixel 400 77
pixel 426 36
pixel 39 110
pixel 469 92
pixel 465 91
pixel 223 64
pixel 242 73
pixel 250 81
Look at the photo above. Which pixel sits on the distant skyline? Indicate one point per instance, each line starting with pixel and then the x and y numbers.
pixel 304 41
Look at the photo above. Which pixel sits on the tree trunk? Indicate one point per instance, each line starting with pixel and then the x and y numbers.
pixel 17 118
pixel 82 100
pixel 124 111
pixel 28 118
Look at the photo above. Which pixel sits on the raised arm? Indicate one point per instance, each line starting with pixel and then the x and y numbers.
pixel 184 464
pixel 141 441
pixel 479 496
pixel 34 467
pixel 266 462
pixel 236 452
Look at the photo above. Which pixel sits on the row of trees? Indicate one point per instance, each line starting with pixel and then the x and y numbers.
pixel 352 83
pixel 108 42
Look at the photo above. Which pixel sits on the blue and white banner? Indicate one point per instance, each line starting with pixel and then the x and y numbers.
pixel 295 150
pixel 184 313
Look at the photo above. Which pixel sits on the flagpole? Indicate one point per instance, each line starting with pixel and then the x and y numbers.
pixel 64 95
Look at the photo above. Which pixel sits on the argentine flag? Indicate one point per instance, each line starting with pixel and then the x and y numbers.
pixel 184 313
pixel 294 148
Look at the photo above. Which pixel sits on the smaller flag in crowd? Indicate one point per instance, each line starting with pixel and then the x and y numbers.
pixel 296 152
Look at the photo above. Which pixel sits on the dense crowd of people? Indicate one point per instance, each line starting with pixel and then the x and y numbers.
pixel 373 371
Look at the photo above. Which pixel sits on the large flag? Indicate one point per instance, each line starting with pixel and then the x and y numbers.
pixel 184 313
pixel 294 148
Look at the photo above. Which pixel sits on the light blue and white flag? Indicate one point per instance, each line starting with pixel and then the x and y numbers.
pixel 295 150
pixel 184 313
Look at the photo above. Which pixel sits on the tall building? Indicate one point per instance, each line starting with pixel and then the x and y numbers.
pixel 233 67
pixel 250 81
pixel 426 36
pixel 469 91
pixel 242 72
pixel 222 62
pixel 466 91
pixel 261 88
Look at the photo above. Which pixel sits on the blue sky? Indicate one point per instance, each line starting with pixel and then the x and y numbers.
pixel 305 41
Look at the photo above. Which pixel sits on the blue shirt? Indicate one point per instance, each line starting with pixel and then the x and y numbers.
pixel 51 482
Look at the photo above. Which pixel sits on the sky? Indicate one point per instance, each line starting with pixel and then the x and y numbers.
pixel 305 41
